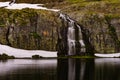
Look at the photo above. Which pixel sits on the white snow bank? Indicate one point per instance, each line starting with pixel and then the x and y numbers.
pixel 20 53
pixel 24 5
pixel 108 55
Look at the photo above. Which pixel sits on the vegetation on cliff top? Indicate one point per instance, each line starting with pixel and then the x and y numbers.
pixel 101 6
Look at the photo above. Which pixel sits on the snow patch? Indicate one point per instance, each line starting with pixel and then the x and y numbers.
pixel 108 55
pixel 25 5
pixel 20 53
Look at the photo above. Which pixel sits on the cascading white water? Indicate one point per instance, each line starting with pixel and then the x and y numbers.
pixel 81 40
pixel 71 35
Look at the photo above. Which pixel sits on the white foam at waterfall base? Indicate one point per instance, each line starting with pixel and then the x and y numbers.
pixel 24 5
pixel 71 44
pixel 82 43
pixel 20 53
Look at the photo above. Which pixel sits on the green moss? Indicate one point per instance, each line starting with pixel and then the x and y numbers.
pixel 75 1
pixel 102 6
pixel 82 57
pixel 19 17
pixel 64 57
pixel 79 1
pixel 35 35
pixel 112 16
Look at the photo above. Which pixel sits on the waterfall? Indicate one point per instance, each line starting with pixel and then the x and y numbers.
pixel 81 40
pixel 71 35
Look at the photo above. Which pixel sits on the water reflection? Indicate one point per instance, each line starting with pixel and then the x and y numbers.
pixel 89 69
pixel 76 69
pixel 61 69
pixel 28 70
pixel 107 69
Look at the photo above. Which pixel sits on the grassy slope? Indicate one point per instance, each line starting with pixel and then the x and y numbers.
pixel 102 6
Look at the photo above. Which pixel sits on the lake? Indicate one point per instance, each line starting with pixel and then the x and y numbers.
pixel 61 69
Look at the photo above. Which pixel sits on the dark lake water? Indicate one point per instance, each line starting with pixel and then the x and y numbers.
pixel 62 69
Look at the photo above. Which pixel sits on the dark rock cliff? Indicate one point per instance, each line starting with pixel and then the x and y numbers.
pixel 29 29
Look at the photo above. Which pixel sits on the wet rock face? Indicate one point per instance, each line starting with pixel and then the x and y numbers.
pixel 103 31
pixel 62 43
pixel 29 29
